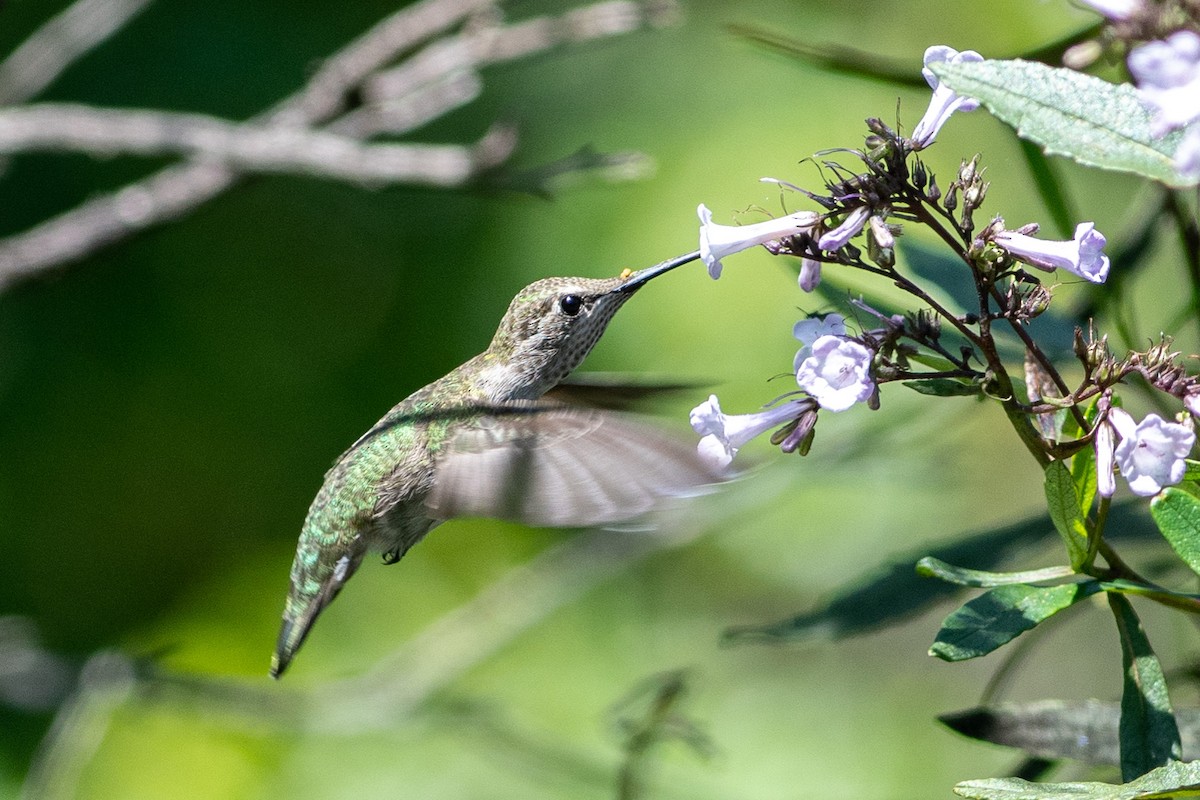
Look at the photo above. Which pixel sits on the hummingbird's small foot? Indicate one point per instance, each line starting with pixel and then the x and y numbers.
pixel 392 556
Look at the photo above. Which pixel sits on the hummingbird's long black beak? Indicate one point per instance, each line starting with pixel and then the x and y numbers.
pixel 639 278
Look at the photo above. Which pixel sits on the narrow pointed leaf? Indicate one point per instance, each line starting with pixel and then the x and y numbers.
pixel 933 568
pixel 944 387
pixel 1149 735
pixel 933 361
pixel 1172 781
pixel 1066 511
pixel 888 593
pixel 996 617
pixel 1084 730
pixel 1090 120
pixel 1083 463
pixel 1177 514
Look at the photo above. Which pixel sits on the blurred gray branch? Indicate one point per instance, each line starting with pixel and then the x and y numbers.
pixel 313 132
pixel 59 43
pixel 244 147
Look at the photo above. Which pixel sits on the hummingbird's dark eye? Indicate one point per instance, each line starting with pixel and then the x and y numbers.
pixel 570 304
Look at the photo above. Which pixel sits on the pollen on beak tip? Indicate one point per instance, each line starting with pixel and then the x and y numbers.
pixel 625 273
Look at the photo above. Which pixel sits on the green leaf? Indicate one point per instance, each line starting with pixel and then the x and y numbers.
pixel 1083 730
pixel 1090 120
pixel 1066 511
pixel 933 568
pixel 1193 470
pixel 943 387
pixel 1177 514
pixel 997 617
pixel 940 363
pixel 1083 463
pixel 1083 475
pixel 1173 780
pixel 1149 735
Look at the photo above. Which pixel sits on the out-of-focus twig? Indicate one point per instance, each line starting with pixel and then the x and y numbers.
pixel 325 102
pixel 43 56
pixel 176 190
pixel 245 147
pixel 105 683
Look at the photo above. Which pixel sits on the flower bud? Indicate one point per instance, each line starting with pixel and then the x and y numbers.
pixel 968 170
pixel 951 201
pixel 919 175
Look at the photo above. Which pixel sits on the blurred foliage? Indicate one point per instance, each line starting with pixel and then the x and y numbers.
pixel 168 407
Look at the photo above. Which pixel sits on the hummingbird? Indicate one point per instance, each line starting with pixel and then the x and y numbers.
pixel 490 439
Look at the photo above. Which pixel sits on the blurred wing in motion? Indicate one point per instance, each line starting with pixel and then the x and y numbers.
pixel 616 391
pixel 560 466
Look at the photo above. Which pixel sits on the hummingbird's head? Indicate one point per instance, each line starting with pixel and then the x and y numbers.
pixel 552 324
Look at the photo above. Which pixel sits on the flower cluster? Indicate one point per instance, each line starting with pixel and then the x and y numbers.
pixel 834 370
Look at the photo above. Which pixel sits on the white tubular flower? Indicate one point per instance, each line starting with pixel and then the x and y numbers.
pixel 1151 453
pixel 837 238
pixel 1114 9
pixel 944 101
pixel 724 434
pixel 809 330
pixel 837 374
pixel 1106 480
pixel 1168 77
pixel 1082 256
pixel 810 274
pixel 718 241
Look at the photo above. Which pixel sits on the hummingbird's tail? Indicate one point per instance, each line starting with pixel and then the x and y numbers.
pixel 316 579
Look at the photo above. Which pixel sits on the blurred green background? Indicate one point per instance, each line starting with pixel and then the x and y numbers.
pixel 169 406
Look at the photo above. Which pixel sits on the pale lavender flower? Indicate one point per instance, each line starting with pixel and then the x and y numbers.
pixel 1106 480
pixel 718 241
pixel 1114 9
pixel 1151 453
pixel 813 328
pixel 1082 256
pixel 810 274
pixel 1192 403
pixel 722 435
pixel 1168 77
pixel 1187 155
pixel 838 373
pixel 837 238
pixel 944 101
